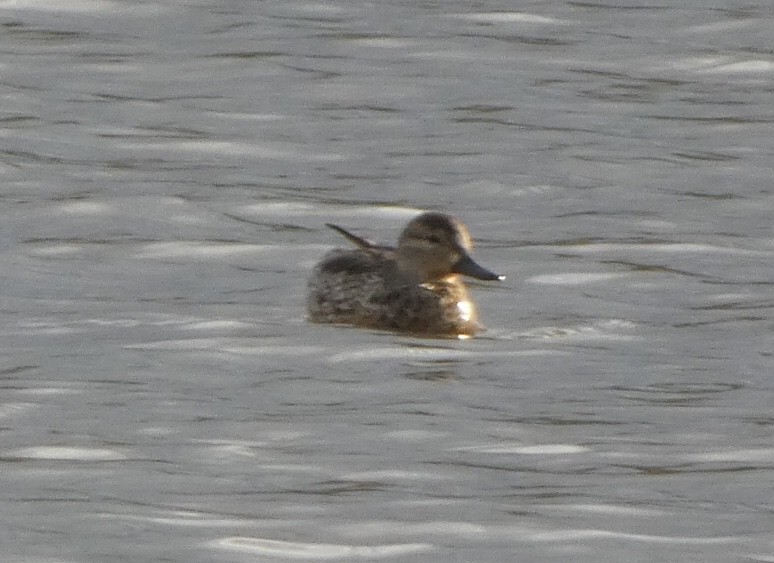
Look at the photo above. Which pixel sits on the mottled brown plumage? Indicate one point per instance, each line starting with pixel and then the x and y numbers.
pixel 414 288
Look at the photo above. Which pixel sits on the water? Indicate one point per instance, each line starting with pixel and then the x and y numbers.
pixel 167 169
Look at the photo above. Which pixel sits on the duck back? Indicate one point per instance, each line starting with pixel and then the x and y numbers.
pixel 367 289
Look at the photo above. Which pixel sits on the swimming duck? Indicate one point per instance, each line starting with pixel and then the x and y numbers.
pixel 414 288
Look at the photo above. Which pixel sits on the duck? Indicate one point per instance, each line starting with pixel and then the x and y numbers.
pixel 414 288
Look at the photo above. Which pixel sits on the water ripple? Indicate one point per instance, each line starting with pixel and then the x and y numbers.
pixel 317 551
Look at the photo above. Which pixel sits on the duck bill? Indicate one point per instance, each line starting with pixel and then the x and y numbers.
pixel 468 267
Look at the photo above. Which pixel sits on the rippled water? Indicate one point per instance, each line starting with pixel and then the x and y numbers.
pixel 167 168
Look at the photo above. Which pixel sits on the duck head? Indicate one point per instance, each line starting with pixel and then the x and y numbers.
pixel 436 246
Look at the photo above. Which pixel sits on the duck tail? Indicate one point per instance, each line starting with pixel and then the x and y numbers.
pixel 358 241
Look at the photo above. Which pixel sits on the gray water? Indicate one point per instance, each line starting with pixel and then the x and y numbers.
pixel 166 170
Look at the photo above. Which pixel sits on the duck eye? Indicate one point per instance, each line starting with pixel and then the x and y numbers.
pixel 435 239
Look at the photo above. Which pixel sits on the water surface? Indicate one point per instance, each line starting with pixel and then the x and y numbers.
pixel 167 169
